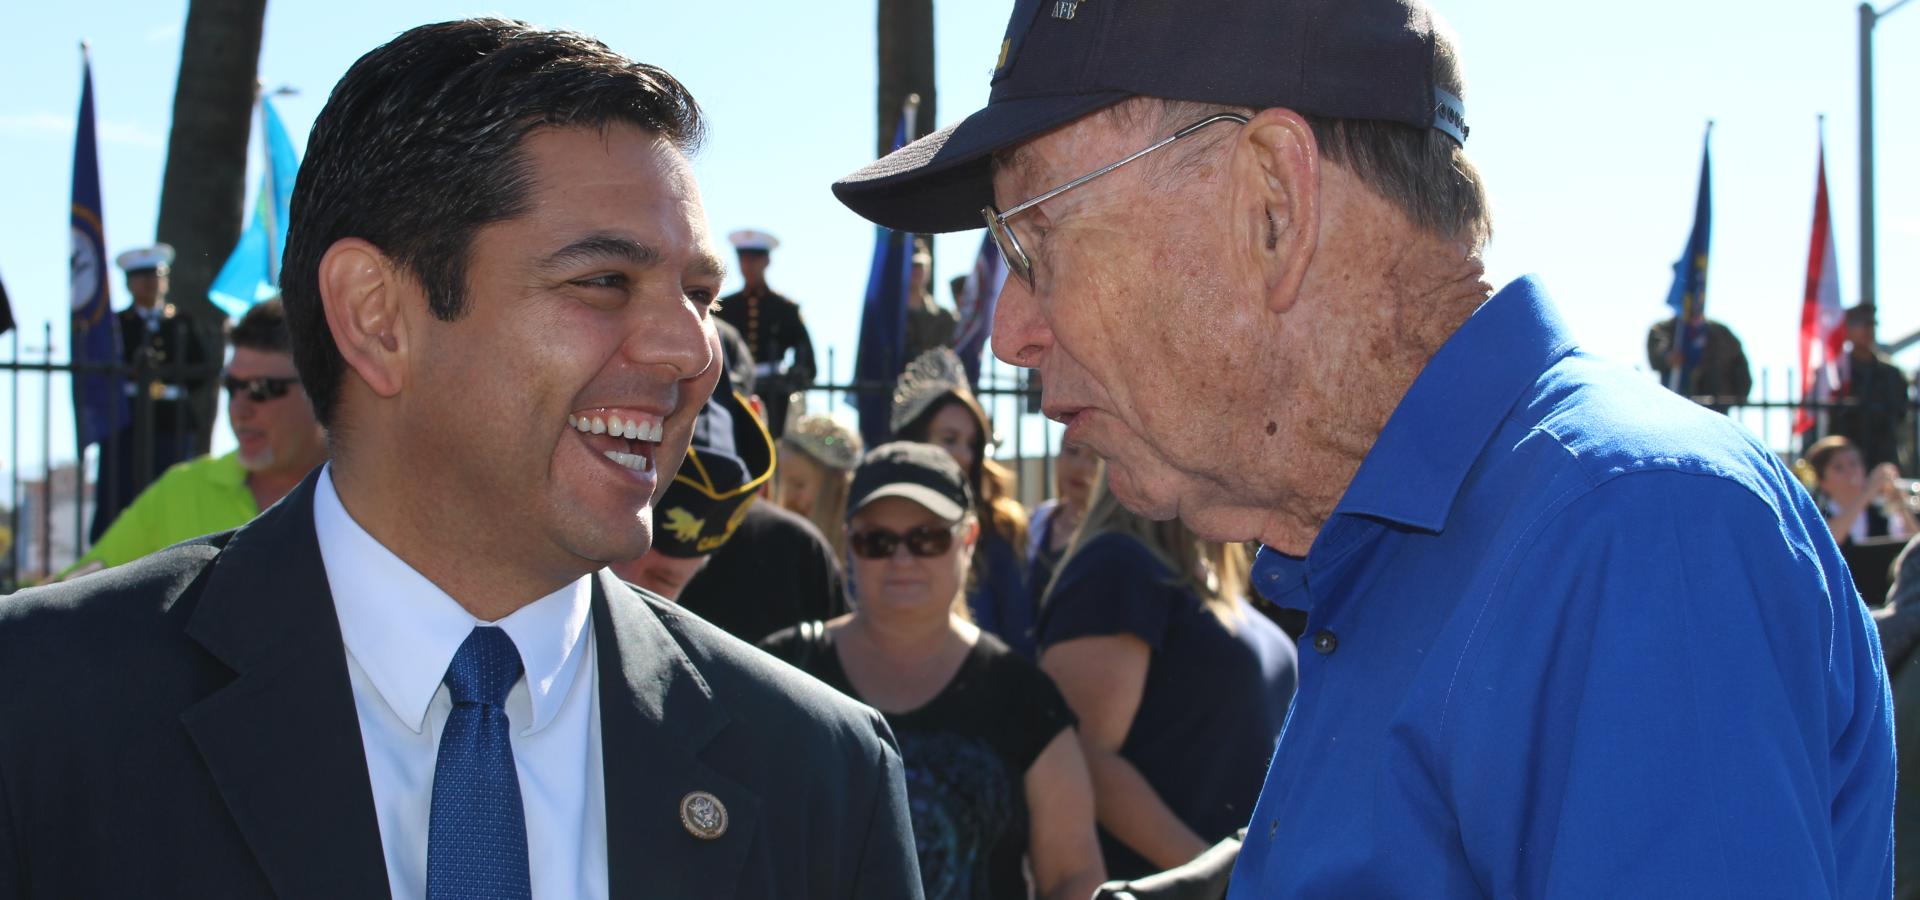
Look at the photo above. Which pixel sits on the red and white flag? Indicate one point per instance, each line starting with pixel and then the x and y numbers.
pixel 1823 333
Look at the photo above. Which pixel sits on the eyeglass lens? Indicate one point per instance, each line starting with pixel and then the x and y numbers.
pixel 1010 249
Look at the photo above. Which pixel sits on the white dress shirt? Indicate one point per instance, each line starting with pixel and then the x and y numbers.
pixel 401 632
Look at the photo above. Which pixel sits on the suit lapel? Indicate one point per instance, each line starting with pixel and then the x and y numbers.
pixel 656 716
pixel 282 741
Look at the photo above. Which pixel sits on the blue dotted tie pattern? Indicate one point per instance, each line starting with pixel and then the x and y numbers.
pixel 477 831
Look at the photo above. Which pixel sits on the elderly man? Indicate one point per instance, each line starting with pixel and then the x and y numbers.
pixel 280 442
pixel 1571 634
pixel 413 677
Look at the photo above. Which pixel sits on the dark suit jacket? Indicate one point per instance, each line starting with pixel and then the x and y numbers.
pixel 184 726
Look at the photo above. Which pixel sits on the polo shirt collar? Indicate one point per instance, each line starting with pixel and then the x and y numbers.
pixel 403 629
pixel 1416 467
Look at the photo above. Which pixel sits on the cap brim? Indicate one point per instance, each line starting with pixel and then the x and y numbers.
pixel 940 182
pixel 933 500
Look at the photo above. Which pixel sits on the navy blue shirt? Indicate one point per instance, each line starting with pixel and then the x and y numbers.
pixel 1572 636
pixel 998 599
pixel 1214 700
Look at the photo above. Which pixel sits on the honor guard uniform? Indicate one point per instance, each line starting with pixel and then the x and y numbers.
pixel 772 326
pixel 154 337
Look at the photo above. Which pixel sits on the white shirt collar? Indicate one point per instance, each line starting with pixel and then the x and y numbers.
pixel 403 629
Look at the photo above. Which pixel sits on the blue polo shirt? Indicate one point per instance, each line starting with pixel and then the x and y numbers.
pixel 1570 635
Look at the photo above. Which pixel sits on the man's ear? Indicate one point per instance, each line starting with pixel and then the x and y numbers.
pixel 1282 204
pixel 363 293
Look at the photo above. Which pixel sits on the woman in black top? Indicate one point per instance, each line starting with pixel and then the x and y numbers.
pixel 994 770
pixel 1179 685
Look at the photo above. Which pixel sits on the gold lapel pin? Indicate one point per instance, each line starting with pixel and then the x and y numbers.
pixel 704 816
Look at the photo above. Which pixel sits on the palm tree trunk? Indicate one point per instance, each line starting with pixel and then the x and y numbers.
pixel 906 65
pixel 204 187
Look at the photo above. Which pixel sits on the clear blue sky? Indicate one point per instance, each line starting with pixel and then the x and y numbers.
pixel 1586 122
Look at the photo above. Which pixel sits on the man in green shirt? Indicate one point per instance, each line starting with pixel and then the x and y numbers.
pixel 280 442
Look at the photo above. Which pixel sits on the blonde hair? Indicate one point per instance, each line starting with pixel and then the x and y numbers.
pixel 1219 574
pixel 829 512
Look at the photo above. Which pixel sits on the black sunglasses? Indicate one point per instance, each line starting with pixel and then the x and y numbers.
pixel 925 541
pixel 259 390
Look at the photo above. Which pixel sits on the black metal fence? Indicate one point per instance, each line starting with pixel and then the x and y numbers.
pixel 48 506
pixel 50 502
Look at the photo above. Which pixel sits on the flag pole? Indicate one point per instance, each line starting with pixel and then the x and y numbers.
pixel 1676 374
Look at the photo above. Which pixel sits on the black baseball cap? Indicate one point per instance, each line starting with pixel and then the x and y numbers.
pixel 1063 59
pixel 919 472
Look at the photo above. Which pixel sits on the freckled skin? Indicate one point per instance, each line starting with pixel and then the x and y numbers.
pixel 1162 313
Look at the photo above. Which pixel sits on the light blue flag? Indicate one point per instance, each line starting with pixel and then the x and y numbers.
pixel 252 273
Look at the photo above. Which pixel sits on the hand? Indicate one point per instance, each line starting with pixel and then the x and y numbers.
pixel 1883 478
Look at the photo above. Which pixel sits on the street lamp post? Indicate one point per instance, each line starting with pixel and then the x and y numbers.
pixel 1868 19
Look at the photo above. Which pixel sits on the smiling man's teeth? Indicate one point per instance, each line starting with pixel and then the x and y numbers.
pixel 633 429
pixel 632 461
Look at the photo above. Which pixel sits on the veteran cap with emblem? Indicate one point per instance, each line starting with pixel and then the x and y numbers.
pixel 1063 59
pixel 158 257
pixel 728 459
pixel 747 240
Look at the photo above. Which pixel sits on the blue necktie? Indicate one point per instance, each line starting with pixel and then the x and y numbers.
pixel 477 832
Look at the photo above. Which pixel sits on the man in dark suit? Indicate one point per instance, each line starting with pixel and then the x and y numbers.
pixel 772 326
pixel 412 677
pixel 157 339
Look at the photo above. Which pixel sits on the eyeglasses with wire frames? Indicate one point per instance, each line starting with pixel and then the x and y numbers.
pixel 1016 256
pixel 259 390
pixel 924 541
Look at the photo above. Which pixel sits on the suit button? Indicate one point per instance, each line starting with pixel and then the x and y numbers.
pixel 1325 643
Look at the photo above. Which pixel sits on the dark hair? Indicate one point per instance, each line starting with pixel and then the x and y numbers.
pixel 263 327
pixel 1821 454
pixel 420 146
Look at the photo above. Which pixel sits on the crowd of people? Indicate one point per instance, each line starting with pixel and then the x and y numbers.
pixel 530 579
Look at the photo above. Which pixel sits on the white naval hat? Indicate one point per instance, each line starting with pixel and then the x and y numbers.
pixel 750 240
pixel 145 259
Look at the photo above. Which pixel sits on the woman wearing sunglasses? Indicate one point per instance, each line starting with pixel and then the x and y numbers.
pixel 994 770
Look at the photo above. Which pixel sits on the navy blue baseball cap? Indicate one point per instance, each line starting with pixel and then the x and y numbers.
pixel 1063 59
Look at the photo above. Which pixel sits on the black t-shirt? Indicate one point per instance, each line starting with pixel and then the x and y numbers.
pixel 966 753
pixel 1214 700
pixel 775 572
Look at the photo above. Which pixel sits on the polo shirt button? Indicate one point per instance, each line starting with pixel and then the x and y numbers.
pixel 1325 643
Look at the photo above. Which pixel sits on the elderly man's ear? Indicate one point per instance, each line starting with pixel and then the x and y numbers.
pixel 1281 208
pixel 365 294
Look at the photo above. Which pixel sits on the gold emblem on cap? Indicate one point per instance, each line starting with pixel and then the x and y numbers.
pixel 704 816
pixel 683 525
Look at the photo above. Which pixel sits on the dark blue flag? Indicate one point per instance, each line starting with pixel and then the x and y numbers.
pixel 99 404
pixel 883 319
pixel 976 304
pixel 1688 296
pixel 6 311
